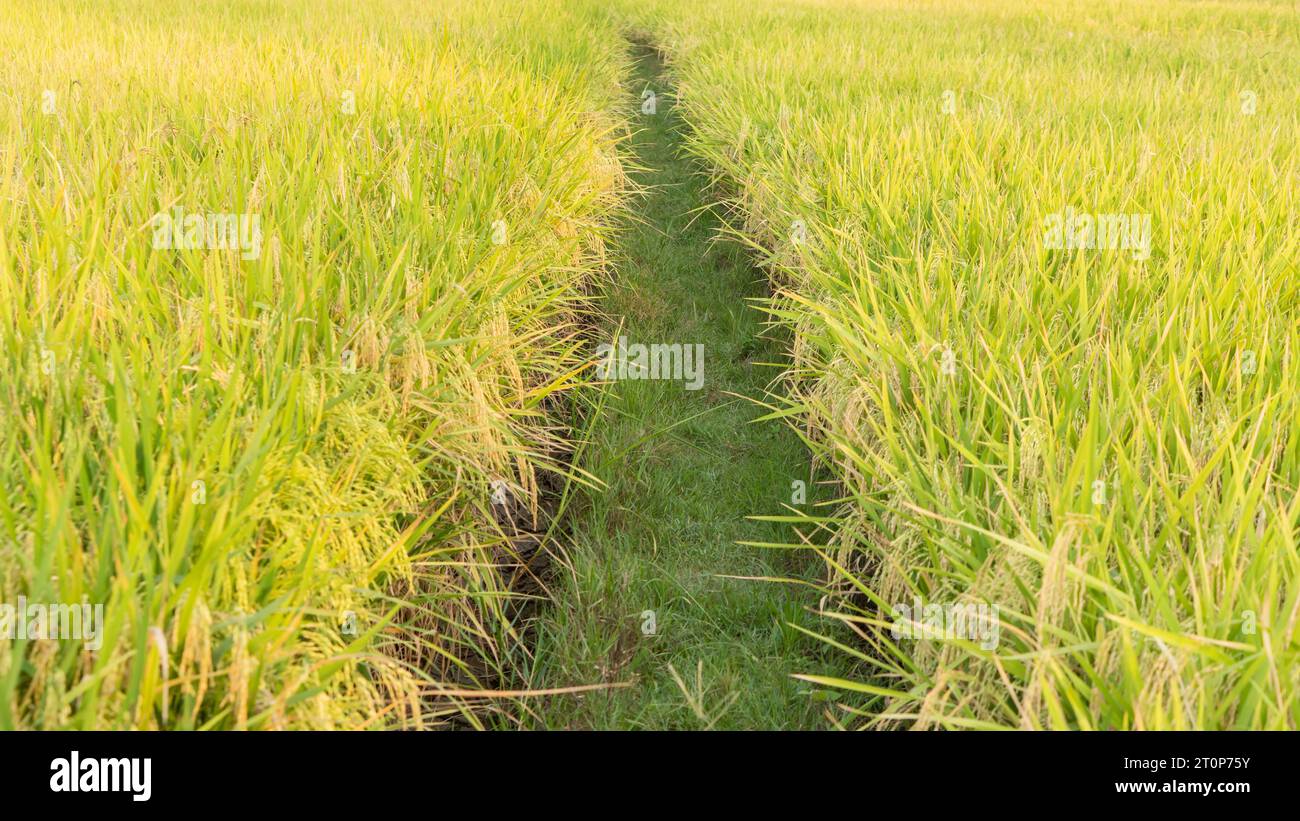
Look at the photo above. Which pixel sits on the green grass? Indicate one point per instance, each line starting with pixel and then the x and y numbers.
pixel 682 470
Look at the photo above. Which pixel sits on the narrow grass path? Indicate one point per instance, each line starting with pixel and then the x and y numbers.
pixel 684 469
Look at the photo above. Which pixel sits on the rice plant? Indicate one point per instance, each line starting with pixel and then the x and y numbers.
pixel 1040 262
pixel 295 308
pixel 284 291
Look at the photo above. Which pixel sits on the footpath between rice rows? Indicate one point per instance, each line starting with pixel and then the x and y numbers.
pixel 658 592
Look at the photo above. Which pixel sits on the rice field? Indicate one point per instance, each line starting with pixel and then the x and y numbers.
pixel 300 305
pixel 285 289
pixel 1039 260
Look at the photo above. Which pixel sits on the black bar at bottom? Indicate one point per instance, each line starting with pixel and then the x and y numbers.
pixel 422 770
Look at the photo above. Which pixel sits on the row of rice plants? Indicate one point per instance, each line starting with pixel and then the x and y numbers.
pixel 285 292
pixel 1040 262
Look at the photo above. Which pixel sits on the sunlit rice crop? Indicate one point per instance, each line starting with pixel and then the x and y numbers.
pixel 1098 433
pixel 264 437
